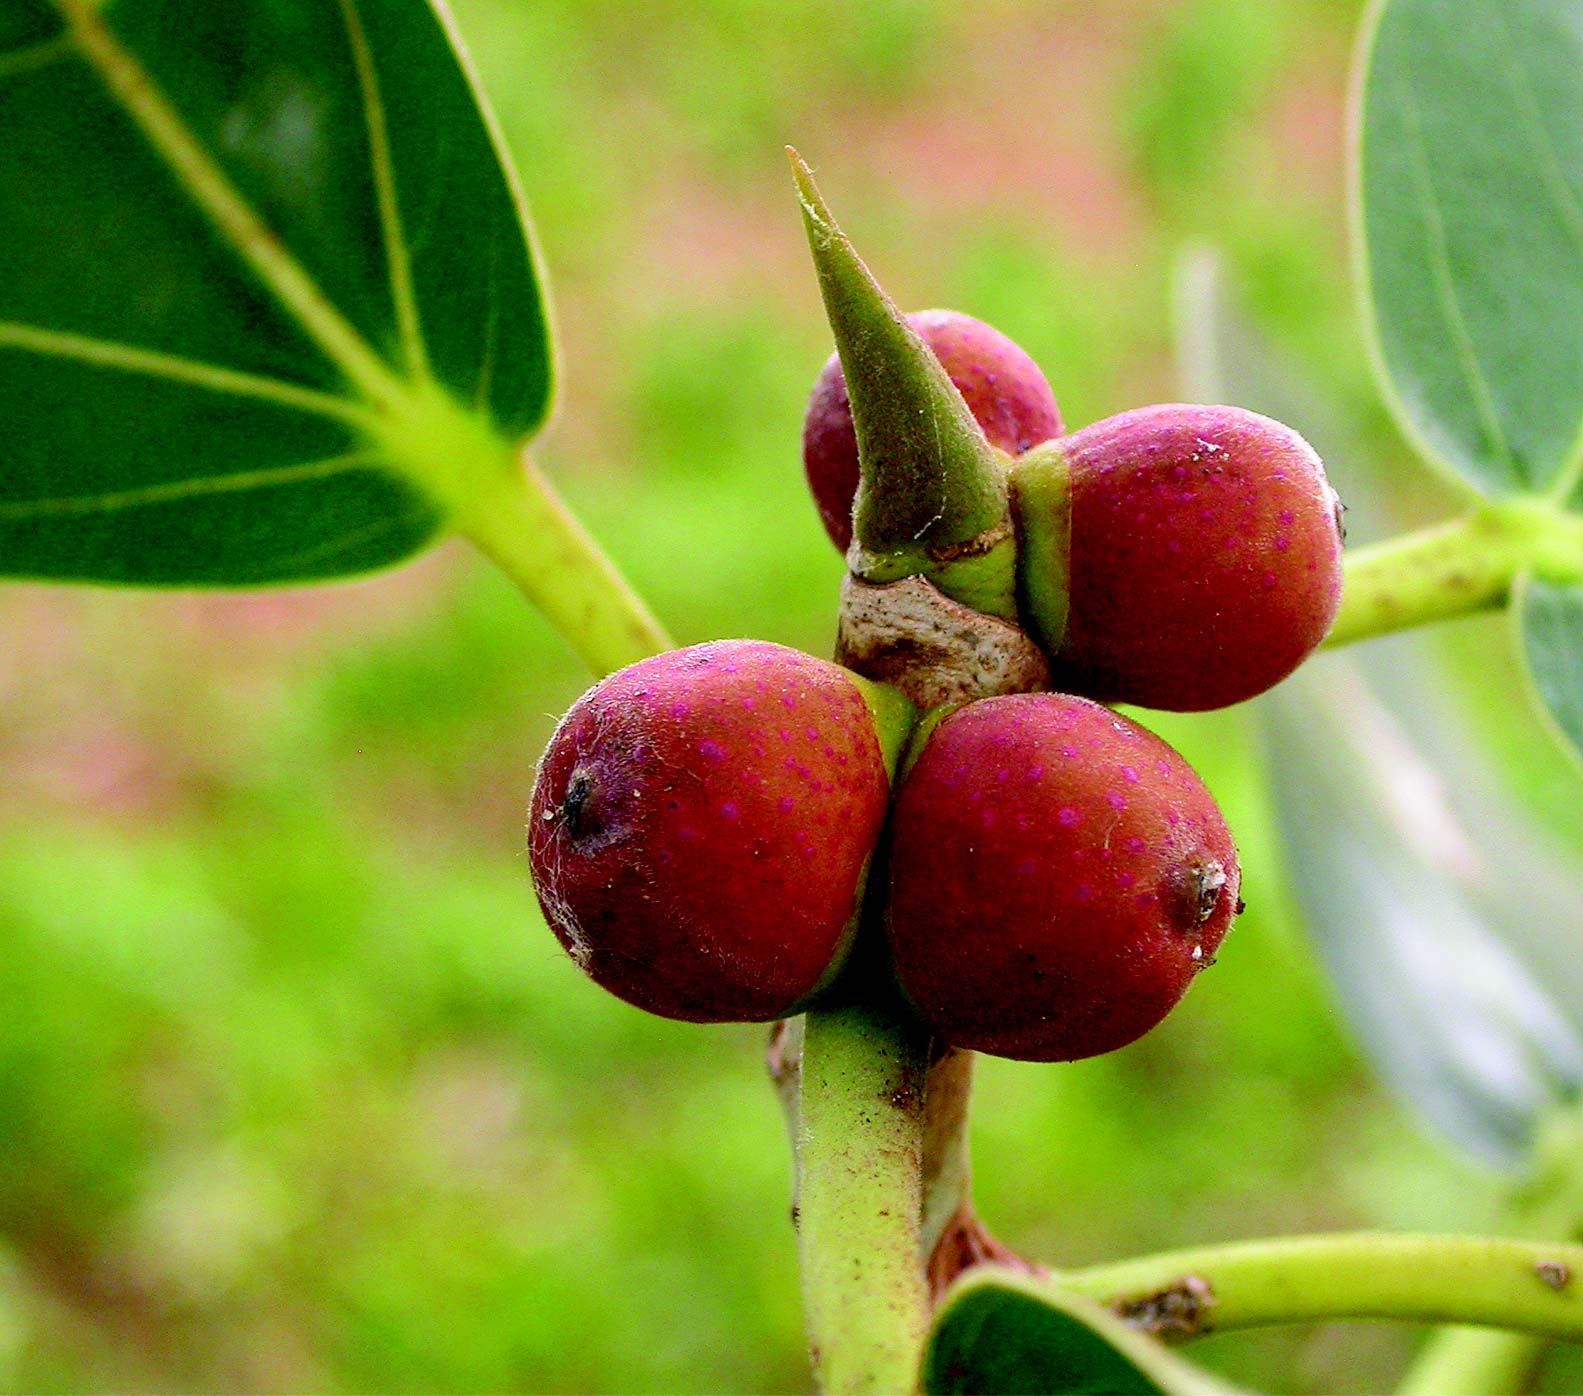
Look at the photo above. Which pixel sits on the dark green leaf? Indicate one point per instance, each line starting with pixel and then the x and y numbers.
pixel 1550 620
pixel 1471 190
pixel 267 306
pixel 1000 1332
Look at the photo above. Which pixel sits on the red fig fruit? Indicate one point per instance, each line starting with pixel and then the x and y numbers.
pixel 1177 557
pixel 702 822
pixel 1058 875
pixel 1003 388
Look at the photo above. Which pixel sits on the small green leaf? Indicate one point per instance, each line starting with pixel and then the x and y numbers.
pixel 1470 220
pixel 268 311
pixel 1001 1332
pixel 1550 625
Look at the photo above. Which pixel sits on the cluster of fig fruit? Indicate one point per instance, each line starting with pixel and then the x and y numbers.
pixel 713 828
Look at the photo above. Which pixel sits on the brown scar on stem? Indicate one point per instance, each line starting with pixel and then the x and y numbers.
pixel 1555 1273
pixel 1178 1311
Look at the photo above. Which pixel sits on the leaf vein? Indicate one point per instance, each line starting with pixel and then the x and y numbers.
pixel 321 552
pixel 31 57
pixel 1445 283
pixel 155 363
pixel 207 184
pixel 398 258
pixel 176 491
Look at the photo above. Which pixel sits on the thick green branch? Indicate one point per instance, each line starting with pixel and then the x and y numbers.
pixel 860 1155
pixel 1455 568
pixel 1524 1285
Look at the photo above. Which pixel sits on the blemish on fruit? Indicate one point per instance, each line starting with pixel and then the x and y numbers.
pixel 575 814
pixel 1196 890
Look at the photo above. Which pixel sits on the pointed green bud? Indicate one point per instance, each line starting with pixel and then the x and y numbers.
pixel 931 497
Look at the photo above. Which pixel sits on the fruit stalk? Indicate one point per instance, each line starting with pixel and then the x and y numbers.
pixel 860 1155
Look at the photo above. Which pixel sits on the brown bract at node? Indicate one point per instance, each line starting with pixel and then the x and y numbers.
pixel 1058 876
pixel 1004 389
pixel 931 648
pixel 1201 555
pixel 966 1244
pixel 701 826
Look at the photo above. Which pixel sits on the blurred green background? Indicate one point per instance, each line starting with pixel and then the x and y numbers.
pixel 296 1091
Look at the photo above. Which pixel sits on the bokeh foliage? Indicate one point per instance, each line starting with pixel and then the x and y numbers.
pixel 296 1092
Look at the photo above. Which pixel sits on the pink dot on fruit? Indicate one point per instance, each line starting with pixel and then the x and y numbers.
pixel 1004 389
pixel 676 864
pixel 1048 965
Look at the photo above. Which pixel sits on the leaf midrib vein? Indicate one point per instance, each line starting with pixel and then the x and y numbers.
pixel 236 220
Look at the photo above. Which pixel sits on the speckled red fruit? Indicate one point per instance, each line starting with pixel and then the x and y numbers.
pixel 1004 389
pixel 700 827
pixel 1205 557
pixel 1058 875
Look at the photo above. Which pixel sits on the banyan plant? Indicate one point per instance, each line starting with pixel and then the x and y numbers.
pixel 270 313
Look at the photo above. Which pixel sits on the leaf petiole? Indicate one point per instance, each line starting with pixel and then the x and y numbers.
pixel 1524 1285
pixel 1456 568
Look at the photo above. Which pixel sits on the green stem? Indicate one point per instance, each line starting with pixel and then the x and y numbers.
pixel 860 1153
pixel 1455 568
pixel 1474 1362
pixel 525 529
pixel 1483 1361
pixel 1534 1287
